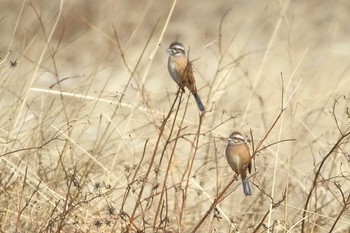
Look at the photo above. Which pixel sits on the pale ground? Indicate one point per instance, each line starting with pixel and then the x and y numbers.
pixel 305 42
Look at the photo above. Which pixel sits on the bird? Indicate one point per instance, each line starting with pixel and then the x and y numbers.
pixel 180 70
pixel 239 159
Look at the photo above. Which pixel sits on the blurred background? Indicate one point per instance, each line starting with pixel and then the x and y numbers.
pixel 85 91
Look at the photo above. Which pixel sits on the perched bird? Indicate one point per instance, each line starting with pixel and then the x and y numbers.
pixel 180 70
pixel 238 157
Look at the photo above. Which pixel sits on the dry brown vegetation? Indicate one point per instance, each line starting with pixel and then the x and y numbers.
pixel 95 138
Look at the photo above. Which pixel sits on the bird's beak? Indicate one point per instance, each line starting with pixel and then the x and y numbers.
pixel 168 50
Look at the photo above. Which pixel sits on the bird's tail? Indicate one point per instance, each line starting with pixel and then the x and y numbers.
pixel 199 102
pixel 246 187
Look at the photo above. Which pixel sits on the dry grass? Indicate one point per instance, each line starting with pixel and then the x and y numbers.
pixel 94 137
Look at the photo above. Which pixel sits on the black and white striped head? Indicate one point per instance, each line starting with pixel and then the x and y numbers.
pixel 236 138
pixel 176 49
